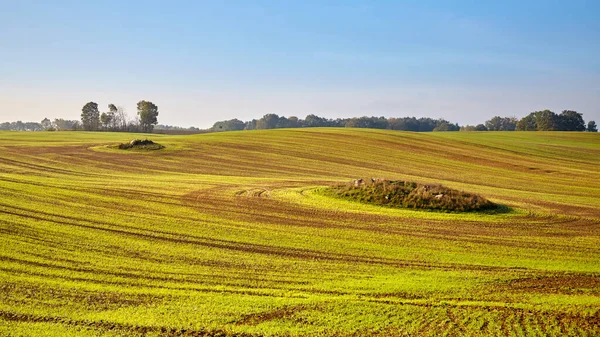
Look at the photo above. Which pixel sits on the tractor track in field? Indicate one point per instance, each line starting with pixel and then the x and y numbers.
pixel 193 287
pixel 103 325
pixel 265 316
pixel 255 208
pixel 39 168
pixel 289 252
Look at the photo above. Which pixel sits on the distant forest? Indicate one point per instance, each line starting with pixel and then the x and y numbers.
pixel 146 120
pixel 545 120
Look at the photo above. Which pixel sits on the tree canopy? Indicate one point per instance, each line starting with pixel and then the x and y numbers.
pixel 148 113
pixel 46 124
pixel 498 123
pixel 547 120
pixel 229 125
pixel 571 121
pixel 90 116
pixel 274 121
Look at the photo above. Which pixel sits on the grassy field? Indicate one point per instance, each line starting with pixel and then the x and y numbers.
pixel 229 234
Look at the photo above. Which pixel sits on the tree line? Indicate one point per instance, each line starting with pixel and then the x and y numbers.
pixel 115 119
pixel 545 120
pixel 146 120
pixel 274 121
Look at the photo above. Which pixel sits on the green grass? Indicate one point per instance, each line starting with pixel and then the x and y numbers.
pixel 230 233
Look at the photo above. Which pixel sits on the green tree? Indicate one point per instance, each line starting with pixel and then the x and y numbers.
pixel 368 122
pixel 268 121
pixel 571 121
pixel 427 124
pixel 446 126
pixel 591 127
pixel 90 116
pixel 229 125
pixel 148 113
pixel 293 122
pixel 112 117
pixel 494 124
pixel 397 124
pixel 547 120
pixel 527 123
pixel 250 125
pixel 481 127
pixel 311 121
pixel 107 119
pixel 498 123
pixel 403 124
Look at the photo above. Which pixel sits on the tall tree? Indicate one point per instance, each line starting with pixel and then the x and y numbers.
pixel 90 116
pixel 527 123
pixel 547 120
pixel 498 123
pixel 268 121
pixel 313 120
pixel 494 124
pixel 107 119
pixel 46 124
pixel 571 121
pixel 427 124
pixel 591 127
pixel 120 119
pixel 293 122
pixel 148 114
pixel 111 118
pixel 250 125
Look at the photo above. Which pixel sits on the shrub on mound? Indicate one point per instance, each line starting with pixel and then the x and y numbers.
pixel 405 194
pixel 141 145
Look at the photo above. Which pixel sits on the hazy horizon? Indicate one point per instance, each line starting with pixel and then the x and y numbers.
pixel 201 62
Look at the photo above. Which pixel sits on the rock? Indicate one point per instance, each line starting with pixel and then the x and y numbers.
pixel 139 142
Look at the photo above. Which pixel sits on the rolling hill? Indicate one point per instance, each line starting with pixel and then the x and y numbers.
pixel 229 234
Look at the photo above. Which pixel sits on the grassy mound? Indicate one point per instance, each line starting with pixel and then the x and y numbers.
pixel 405 194
pixel 139 144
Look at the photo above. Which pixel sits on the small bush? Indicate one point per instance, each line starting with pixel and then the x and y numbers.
pixel 405 194
pixel 141 145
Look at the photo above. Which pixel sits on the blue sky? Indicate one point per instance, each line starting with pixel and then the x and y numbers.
pixel 202 61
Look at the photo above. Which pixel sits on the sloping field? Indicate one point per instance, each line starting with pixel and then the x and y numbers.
pixel 225 234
